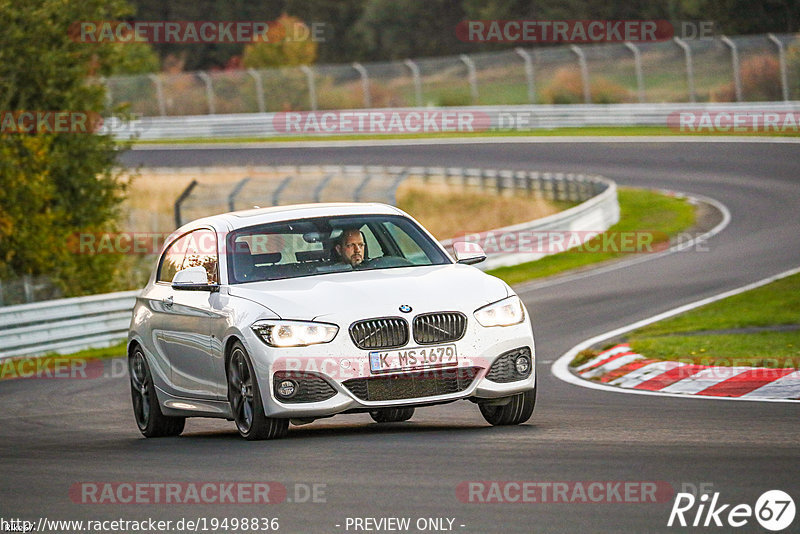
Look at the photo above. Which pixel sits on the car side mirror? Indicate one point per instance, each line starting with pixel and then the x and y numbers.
pixel 193 279
pixel 468 253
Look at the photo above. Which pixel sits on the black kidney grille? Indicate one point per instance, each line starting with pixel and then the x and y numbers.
pixel 385 333
pixel 439 327
pixel 420 384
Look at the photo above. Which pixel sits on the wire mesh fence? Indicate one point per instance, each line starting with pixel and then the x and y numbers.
pixel 28 289
pixel 745 68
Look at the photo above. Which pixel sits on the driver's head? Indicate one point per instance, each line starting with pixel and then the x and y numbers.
pixel 350 246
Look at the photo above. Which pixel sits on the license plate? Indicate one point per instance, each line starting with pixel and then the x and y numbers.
pixel 382 361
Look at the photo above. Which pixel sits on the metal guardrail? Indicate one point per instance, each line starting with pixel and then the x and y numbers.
pixel 70 325
pixel 597 214
pixel 274 186
pixel 65 325
pixel 484 118
pixel 357 183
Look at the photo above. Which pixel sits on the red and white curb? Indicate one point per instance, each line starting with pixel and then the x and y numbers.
pixel 620 366
pixel 779 389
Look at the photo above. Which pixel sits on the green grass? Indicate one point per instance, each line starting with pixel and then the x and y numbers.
pixel 761 349
pixel 556 132
pixel 640 211
pixel 775 304
pixel 114 351
pixel 21 366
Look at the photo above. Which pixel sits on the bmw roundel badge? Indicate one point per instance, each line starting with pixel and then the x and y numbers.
pixel 405 308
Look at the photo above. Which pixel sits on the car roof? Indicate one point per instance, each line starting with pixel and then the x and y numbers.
pixel 243 218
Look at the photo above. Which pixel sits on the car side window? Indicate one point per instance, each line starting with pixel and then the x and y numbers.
pixel 172 259
pixel 198 248
pixel 201 251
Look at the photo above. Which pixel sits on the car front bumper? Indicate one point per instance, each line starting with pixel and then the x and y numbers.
pixel 342 365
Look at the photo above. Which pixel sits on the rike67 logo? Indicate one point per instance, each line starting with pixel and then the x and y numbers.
pixel 774 510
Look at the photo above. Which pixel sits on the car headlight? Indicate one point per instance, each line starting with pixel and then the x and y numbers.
pixel 294 333
pixel 506 312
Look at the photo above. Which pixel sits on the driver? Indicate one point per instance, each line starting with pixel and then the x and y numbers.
pixel 350 247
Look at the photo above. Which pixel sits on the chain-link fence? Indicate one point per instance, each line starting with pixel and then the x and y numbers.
pixel 28 289
pixel 746 68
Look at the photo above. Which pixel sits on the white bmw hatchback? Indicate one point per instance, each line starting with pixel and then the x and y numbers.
pixel 296 313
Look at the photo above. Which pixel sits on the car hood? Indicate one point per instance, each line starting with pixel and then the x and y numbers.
pixel 345 297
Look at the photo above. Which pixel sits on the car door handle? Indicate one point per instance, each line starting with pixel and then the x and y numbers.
pixel 167 301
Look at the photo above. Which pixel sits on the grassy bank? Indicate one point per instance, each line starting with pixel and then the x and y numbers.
pixel 758 328
pixel 659 215
pixel 75 365
pixel 450 212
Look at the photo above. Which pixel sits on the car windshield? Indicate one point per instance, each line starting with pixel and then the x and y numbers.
pixel 308 247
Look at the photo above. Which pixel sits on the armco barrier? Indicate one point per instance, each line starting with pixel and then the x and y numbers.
pixel 65 325
pixel 274 186
pixel 487 118
pixel 597 214
pixel 70 325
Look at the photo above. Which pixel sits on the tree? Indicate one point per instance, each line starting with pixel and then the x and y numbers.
pixel 287 43
pixel 399 29
pixel 340 43
pixel 54 186
pixel 205 56
pixel 736 17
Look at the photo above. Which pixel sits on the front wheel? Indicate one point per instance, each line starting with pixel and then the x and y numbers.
pixel 151 422
pixel 518 410
pixel 245 399
pixel 391 415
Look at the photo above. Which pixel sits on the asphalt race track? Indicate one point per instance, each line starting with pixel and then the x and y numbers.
pixel 56 433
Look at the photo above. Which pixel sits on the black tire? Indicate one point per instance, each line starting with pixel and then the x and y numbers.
pixel 245 399
pixel 146 410
pixel 518 410
pixel 391 415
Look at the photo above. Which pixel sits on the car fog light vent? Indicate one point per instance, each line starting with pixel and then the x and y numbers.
pixel 287 389
pixel 522 365
pixel 511 366
pixel 296 387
